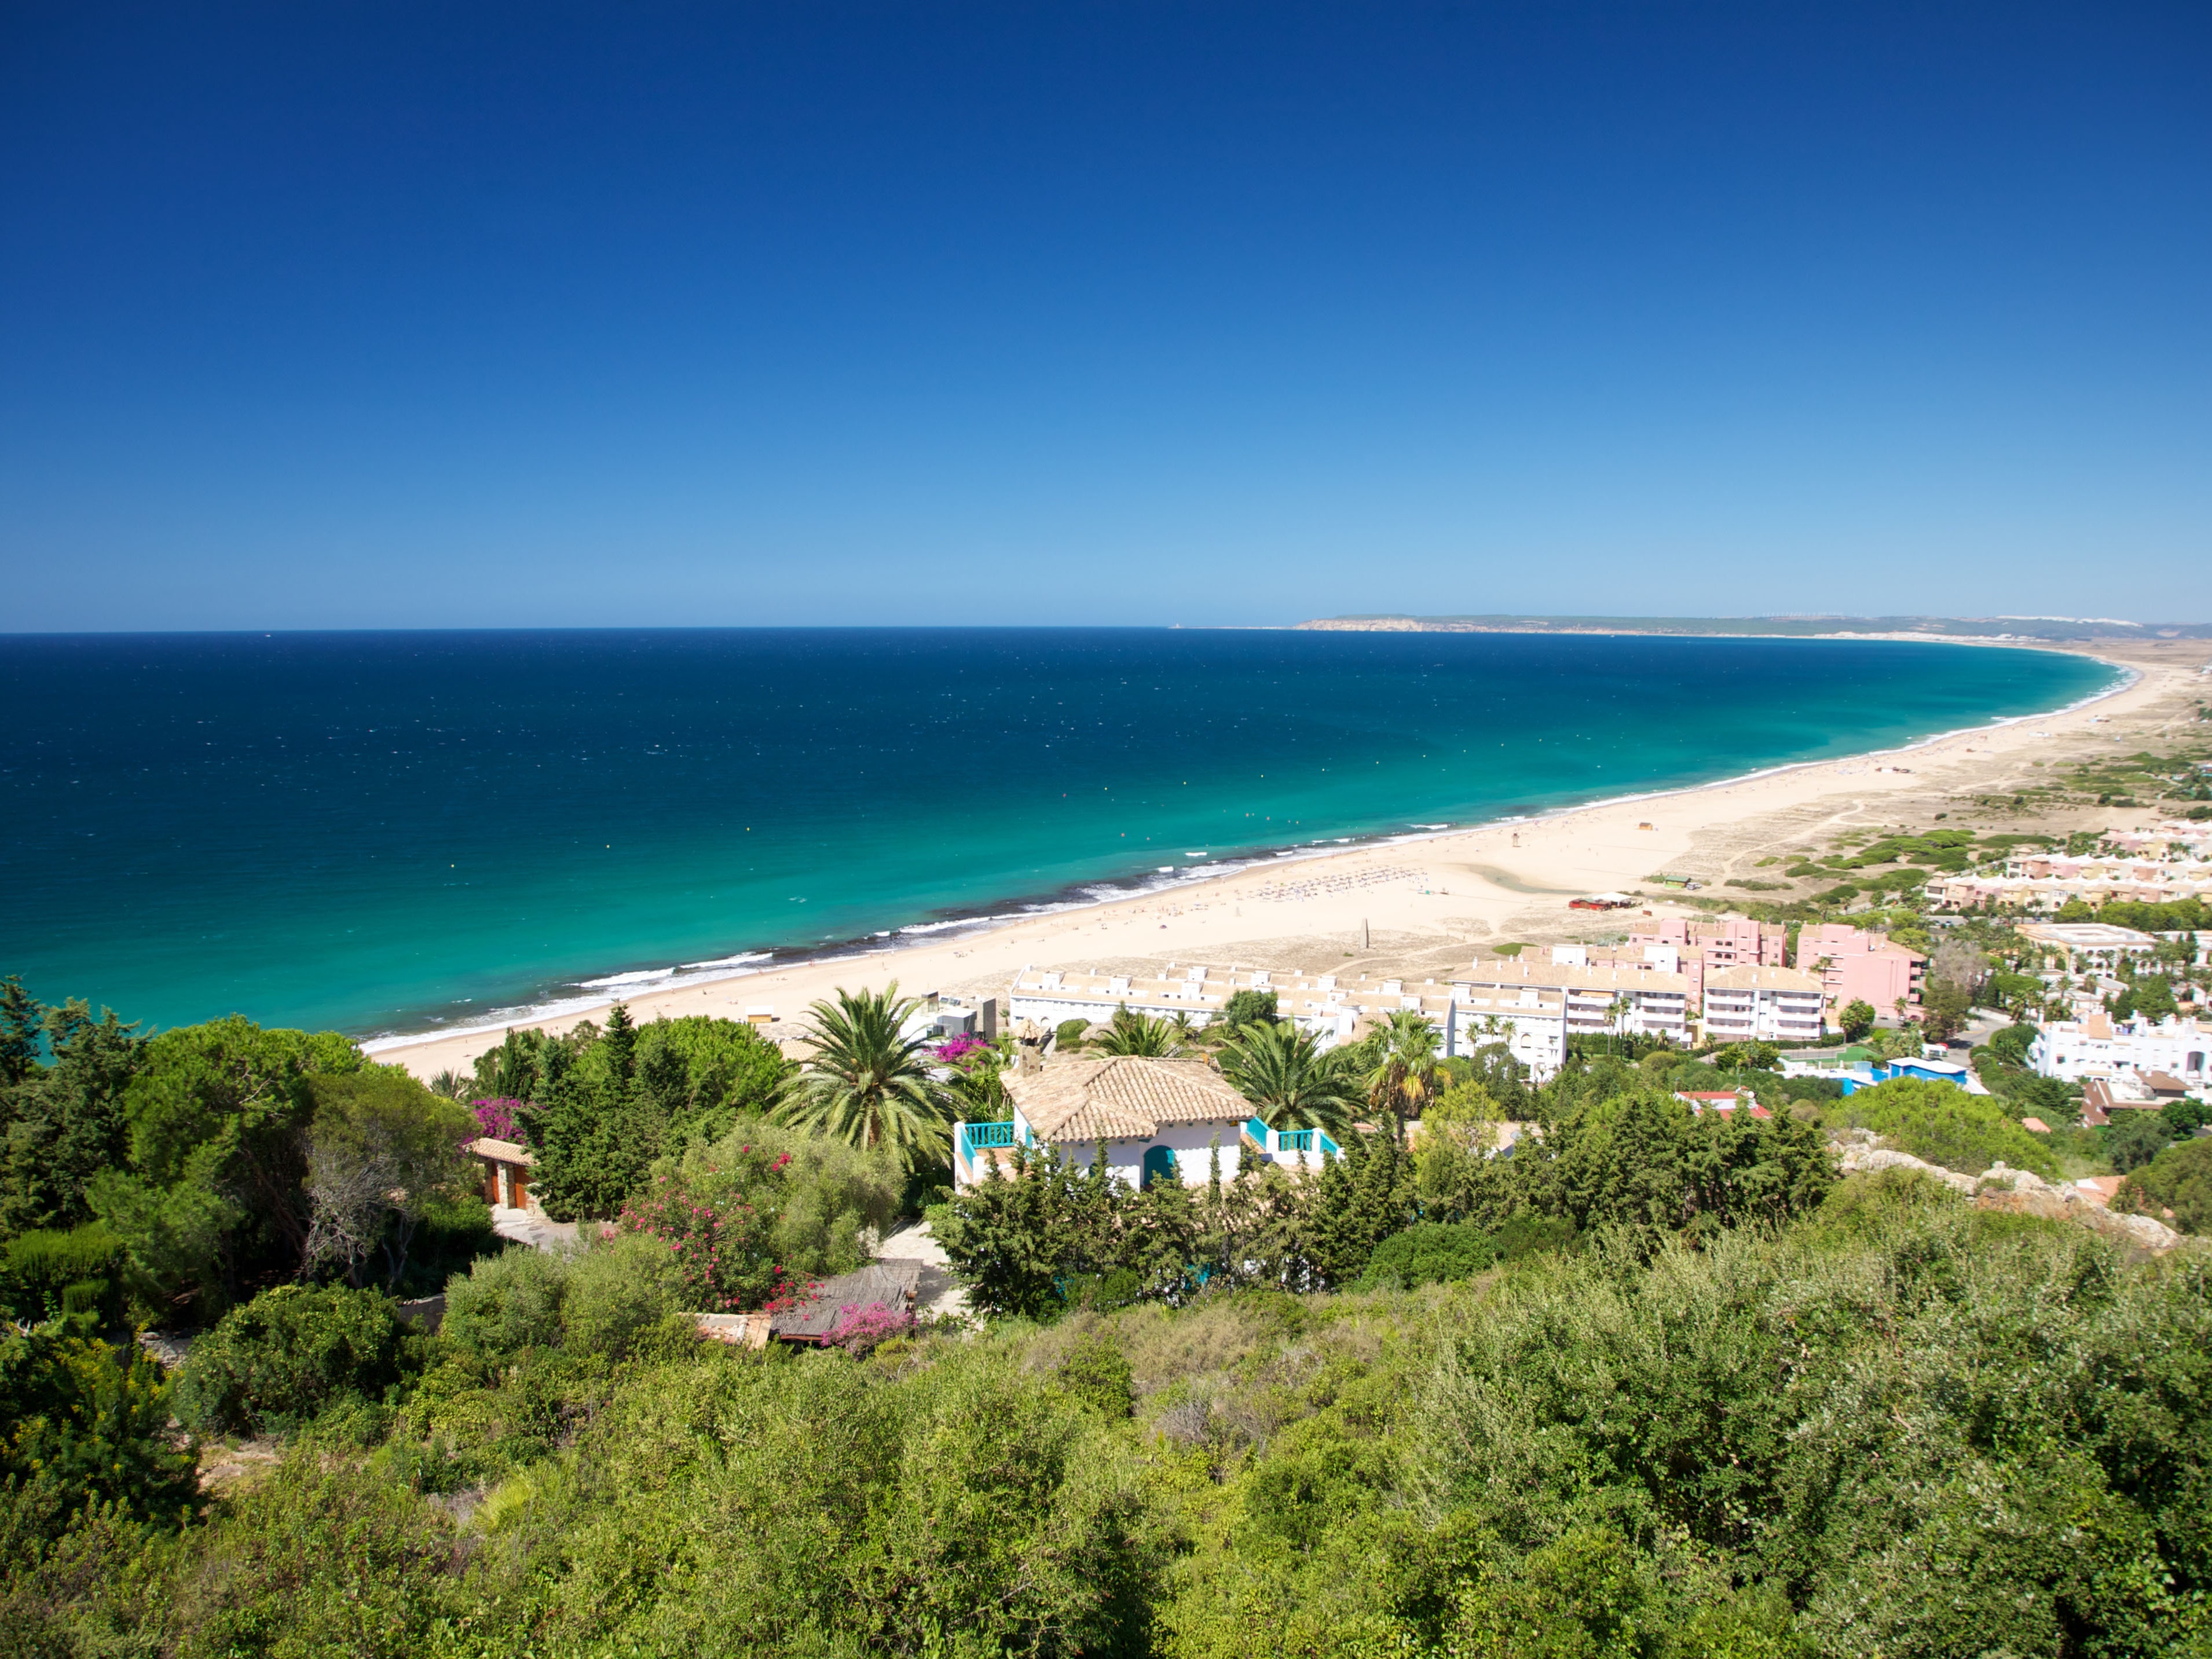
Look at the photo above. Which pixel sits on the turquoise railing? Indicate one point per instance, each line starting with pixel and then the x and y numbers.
pixel 973 1137
pixel 1306 1140
pixel 1257 1129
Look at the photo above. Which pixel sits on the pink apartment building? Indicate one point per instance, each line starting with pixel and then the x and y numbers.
pixel 1854 965
pixel 1713 947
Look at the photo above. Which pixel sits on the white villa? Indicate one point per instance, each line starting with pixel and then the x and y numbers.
pixel 1159 1119
pixel 2097 1047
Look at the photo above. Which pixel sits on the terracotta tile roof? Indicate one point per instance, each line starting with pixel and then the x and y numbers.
pixel 1124 1098
pixel 1761 978
pixel 504 1151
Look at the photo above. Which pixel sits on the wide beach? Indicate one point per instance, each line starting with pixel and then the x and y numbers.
pixel 1426 905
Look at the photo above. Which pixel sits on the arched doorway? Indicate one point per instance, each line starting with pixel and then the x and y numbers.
pixel 1160 1165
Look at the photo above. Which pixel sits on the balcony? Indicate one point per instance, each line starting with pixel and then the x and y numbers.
pixel 1278 1141
pixel 978 1137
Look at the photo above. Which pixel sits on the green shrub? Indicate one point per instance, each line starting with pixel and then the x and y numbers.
pixel 1944 1125
pixel 2178 1179
pixel 456 1230
pixel 507 1304
pixel 80 1425
pixel 2133 1138
pixel 1527 1234
pixel 43 1275
pixel 1429 1252
pixel 282 1358
pixel 1098 1373
pixel 621 1296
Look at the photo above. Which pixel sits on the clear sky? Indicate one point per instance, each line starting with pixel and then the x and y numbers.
pixel 378 314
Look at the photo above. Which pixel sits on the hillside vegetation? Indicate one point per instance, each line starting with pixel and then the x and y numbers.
pixel 1897 1427
pixel 1657 1384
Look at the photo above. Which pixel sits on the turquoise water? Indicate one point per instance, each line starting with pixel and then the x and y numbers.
pixel 394 831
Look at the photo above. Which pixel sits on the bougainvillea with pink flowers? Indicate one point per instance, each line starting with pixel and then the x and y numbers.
pixel 859 1330
pixel 722 1226
pixel 976 1066
pixel 953 1051
pixel 502 1120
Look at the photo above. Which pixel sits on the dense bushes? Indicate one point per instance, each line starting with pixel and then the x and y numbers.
pixel 290 1352
pixel 2178 1179
pixel 507 1304
pixel 1943 1125
pixel 1894 1425
pixel 46 1274
pixel 750 1217
pixel 621 1296
pixel 612 1101
pixel 1618 1153
pixel 81 1426
pixel 1441 1253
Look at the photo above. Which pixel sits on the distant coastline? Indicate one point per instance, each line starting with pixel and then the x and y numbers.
pixel 1993 631
pixel 1103 894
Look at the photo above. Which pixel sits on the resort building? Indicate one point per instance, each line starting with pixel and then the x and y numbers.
pixel 1709 947
pixel 1159 1119
pixel 2083 946
pixel 1762 1004
pixel 2099 1046
pixel 1534 1008
pixel 1855 965
pixel 1330 1005
pixel 1963 892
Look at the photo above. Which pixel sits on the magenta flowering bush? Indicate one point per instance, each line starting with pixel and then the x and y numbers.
pixel 961 1051
pixel 720 1226
pixel 502 1120
pixel 976 1066
pixel 859 1330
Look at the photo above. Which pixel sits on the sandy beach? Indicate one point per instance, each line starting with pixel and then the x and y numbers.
pixel 1424 906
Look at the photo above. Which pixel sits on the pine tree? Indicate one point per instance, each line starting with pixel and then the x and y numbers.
pixel 22 1024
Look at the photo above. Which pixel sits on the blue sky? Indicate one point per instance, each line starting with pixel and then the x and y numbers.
pixel 383 315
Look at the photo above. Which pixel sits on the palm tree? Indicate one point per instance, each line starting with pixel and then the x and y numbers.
pixel 1291 1080
pixel 1405 1071
pixel 866 1082
pixel 1148 1039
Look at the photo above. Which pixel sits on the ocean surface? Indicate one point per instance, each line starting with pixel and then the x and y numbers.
pixel 381 832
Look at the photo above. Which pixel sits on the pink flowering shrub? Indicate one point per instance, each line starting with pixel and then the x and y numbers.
pixel 975 1065
pixel 859 1329
pixel 502 1120
pixel 953 1051
pixel 720 1226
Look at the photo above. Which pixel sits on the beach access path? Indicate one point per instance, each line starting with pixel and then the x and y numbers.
pixel 1426 906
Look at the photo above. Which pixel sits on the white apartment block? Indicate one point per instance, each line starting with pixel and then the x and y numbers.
pixel 2097 1047
pixel 1534 1008
pixel 1330 1005
pixel 2089 944
pixel 1762 1005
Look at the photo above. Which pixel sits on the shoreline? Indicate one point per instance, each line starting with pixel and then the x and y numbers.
pixel 654 982
pixel 969 955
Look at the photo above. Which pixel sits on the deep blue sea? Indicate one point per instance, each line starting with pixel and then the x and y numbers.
pixel 381 832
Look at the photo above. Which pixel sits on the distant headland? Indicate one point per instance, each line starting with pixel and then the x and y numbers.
pixel 2052 629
